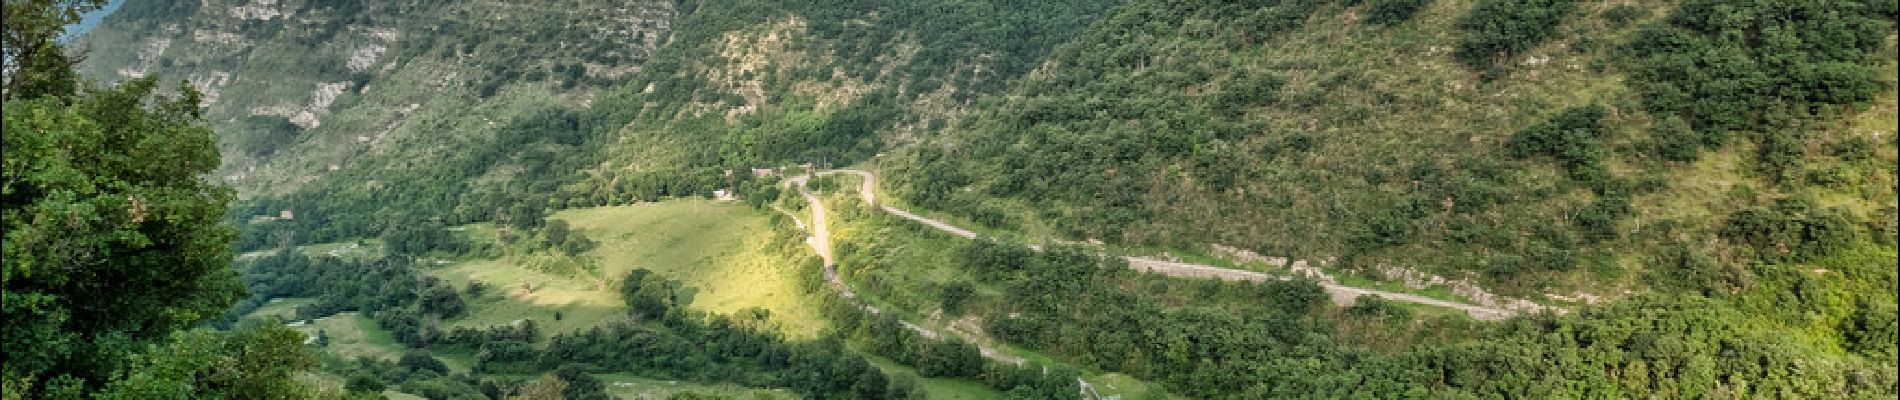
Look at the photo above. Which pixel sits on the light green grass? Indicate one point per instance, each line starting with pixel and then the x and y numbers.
pixel 392 394
pixel 282 308
pixel 364 249
pixel 517 293
pixel 716 248
pixel 1126 387
pixel 629 386
pixel 936 388
pixel 353 335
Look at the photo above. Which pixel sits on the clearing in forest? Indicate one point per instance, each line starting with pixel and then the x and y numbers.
pixel 719 249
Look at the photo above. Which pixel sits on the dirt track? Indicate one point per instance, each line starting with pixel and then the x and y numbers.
pixel 1340 294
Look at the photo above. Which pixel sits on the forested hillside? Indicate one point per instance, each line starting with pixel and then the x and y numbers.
pixel 331 102
pixel 1570 148
pixel 477 199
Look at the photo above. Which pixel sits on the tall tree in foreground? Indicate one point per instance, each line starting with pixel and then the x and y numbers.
pixel 35 64
pixel 112 236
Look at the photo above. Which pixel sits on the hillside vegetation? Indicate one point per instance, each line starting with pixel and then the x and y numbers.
pixel 1543 147
pixel 1702 191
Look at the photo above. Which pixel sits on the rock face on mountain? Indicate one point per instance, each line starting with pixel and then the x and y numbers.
pixel 299 89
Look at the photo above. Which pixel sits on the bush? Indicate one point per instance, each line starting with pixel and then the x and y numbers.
pixel 1498 29
pixel 1394 12
pixel 1571 137
pixel 1873 331
pixel 1853 149
pixel 1681 266
pixel 1780 157
pixel 1728 65
pixel 1675 141
pixel 1794 229
pixel 364 382
pixel 955 295
pixel 1375 306
pixel 1598 220
pixel 420 360
pixel 1249 91
pixel 1623 14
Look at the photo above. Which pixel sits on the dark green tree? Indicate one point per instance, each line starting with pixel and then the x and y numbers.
pixel 258 361
pixel 113 244
pixel 104 194
pixel 36 66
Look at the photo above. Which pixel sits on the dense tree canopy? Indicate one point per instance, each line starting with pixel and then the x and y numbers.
pixel 112 236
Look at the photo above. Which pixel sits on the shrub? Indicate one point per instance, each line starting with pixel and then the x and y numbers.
pixel 1249 91
pixel 955 295
pixel 1873 331
pixel 420 360
pixel 1623 14
pixel 1681 266
pixel 1729 65
pixel 1375 306
pixel 1780 156
pixel 1675 141
pixel 1394 12
pixel 1598 220
pixel 1571 137
pixel 1793 229
pixel 1497 29
pixel 1853 149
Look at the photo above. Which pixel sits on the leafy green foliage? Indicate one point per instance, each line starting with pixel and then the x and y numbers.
pixel 36 65
pixel 1623 14
pixel 1393 12
pixel 1780 156
pixel 257 361
pixel 412 375
pixel 648 295
pixel 1791 229
pixel 1496 30
pixel 1874 331
pixel 1374 306
pixel 1676 141
pixel 1727 65
pixel 103 194
pixel 1572 137
pixel 422 238
pixel 389 290
pixel 955 295
pixel 1651 345
pixel 884 334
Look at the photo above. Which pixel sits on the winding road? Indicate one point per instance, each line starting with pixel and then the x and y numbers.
pixel 1340 294
pixel 820 241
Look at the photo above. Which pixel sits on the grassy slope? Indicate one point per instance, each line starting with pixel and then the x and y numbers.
pixel 281 308
pixel 714 247
pixel 353 335
pixel 627 386
pixel 938 388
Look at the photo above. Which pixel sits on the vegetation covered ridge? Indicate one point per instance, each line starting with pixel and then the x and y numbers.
pixel 1343 295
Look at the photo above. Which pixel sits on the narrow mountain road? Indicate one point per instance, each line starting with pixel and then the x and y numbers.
pixel 1340 294
pixel 820 241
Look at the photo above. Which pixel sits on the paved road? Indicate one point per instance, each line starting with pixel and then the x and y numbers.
pixel 1340 294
